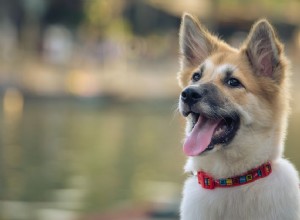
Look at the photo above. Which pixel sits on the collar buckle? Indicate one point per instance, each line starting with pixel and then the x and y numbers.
pixel 205 180
pixel 266 169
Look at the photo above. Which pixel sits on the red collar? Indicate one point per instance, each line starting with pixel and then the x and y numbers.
pixel 208 182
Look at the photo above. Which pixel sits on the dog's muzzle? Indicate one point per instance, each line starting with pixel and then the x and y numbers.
pixel 193 99
pixel 212 118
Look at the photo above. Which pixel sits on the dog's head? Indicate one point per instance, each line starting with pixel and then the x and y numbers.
pixel 232 98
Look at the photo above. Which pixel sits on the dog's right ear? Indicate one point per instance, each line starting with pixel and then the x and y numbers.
pixel 263 50
pixel 195 42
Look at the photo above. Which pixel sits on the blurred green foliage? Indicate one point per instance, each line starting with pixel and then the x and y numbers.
pixel 106 18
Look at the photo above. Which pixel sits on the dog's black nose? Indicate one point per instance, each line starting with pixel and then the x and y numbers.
pixel 190 96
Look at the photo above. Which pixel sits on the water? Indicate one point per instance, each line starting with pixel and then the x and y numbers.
pixel 62 159
pixel 89 156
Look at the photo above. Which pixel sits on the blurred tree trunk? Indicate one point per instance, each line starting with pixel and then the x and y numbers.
pixel 31 28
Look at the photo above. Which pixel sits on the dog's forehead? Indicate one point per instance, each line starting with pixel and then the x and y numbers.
pixel 215 69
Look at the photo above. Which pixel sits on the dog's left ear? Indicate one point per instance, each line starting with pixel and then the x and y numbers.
pixel 263 49
pixel 195 42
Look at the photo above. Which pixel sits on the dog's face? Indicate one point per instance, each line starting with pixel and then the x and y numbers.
pixel 231 96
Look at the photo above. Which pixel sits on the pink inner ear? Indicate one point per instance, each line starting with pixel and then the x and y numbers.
pixel 266 65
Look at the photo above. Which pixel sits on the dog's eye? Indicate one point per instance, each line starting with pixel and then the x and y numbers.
pixel 233 82
pixel 196 76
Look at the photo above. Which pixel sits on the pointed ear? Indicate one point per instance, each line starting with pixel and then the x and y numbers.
pixel 195 42
pixel 263 49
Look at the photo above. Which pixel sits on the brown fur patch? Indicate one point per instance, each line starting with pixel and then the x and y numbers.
pixel 272 90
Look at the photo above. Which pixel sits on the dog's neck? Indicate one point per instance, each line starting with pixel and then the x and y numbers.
pixel 226 162
pixel 236 159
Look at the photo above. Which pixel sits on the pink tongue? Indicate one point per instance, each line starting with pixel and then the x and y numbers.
pixel 200 137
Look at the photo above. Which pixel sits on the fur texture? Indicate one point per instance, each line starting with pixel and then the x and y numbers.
pixel 262 104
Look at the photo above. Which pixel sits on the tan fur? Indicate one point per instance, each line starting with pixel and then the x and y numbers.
pixel 264 107
pixel 263 88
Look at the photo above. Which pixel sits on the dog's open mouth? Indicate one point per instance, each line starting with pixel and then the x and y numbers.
pixel 208 132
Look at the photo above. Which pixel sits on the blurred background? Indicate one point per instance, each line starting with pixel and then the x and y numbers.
pixel 88 95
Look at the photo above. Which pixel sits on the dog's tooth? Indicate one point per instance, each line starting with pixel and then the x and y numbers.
pixel 222 130
pixel 219 131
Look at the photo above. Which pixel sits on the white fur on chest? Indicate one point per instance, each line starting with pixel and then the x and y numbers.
pixel 275 197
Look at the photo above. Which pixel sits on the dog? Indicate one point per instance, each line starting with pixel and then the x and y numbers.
pixel 236 105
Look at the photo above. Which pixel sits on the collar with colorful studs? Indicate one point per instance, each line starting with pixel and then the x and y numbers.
pixel 208 182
